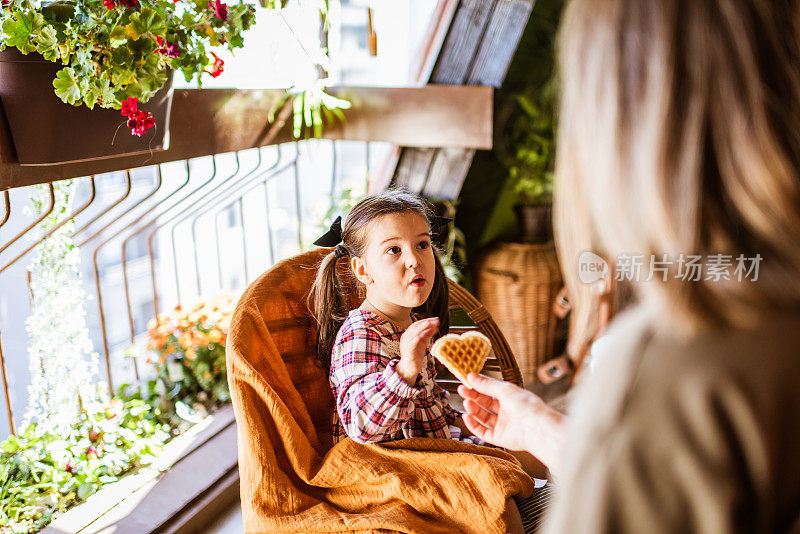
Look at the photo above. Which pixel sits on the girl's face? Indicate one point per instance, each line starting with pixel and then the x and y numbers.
pixel 398 266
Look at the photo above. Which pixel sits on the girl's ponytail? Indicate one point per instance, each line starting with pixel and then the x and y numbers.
pixel 328 305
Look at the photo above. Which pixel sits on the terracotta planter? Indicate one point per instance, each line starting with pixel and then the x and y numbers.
pixel 535 222
pixel 46 131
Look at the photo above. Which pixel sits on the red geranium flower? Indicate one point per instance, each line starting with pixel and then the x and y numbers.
pixel 130 106
pixel 111 4
pixel 220 9
pixel 218 66
pixel 140 122
pixel 6 3
pixel 167 48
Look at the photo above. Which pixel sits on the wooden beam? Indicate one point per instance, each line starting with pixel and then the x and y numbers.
pixel 214 121
pixel 478 49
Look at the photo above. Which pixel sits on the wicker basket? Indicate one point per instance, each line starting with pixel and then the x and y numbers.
pixel 518 283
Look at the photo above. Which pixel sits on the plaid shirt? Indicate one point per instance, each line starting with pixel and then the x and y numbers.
pixel 373 403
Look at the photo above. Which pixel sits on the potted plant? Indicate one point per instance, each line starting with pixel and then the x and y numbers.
pixel 530 160
pixel 114 54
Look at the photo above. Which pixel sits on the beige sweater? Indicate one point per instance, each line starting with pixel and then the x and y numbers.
pixel 686 435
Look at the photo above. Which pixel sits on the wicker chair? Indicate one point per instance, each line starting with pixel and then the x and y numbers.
pixel 283 401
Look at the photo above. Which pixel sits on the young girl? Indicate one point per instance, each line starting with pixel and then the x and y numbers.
pixel 381 370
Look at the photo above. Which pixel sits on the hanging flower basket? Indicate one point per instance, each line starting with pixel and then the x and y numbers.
pixel 105 55
pixel 47 131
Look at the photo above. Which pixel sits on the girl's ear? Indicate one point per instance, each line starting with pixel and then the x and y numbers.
pixel 360 270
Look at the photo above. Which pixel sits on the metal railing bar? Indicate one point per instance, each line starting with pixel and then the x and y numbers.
pixel 9 410
pixel 269 224
pixel 97 279
pixel 232 189
pixel 254 185
pixel 244 241
pixel 174 241
pixel 153 221
pixel 238 185
pixel 297 201
pixel 124 259
pixel 194 237
pixel 219 255
pixel 118 217
pixel 175 251
pixel 333 175
pixel 246 191
pixel 102 322
pixel 37 221
pixel 52 230
pixel 179 215
pixel 109 208
pixel 7 202
pixel 126 240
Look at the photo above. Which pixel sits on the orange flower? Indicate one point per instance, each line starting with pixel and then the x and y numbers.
pixel 185 339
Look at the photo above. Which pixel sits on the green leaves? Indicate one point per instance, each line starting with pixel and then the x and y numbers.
pixel 21 29
pixel 99 92
pixel 11 445
pixel 150 82
pixel 66 86
pixel 42 473
pixel 146 21
pixel 84 490
pixel 109 54
pixel 312 108
pixel 48 44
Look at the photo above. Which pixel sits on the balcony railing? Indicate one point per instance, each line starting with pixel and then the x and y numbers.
pixel 198 220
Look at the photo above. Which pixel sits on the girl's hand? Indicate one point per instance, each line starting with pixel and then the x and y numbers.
pixel 413 347
pixel 511 417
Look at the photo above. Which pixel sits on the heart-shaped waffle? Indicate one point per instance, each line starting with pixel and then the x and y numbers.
pixel 462 354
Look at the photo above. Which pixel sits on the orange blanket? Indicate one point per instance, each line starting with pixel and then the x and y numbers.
pixel 292 480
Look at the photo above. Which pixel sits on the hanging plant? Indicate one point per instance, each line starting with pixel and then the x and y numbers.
pixel 117 51
pixel 62 364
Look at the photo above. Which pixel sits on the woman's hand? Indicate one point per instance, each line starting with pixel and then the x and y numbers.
pixel 413 347
pixel 511 417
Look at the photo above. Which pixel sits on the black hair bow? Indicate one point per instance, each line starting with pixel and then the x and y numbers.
pixel 333 236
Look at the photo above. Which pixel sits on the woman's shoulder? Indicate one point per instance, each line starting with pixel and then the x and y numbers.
pixel 719 390
pixel 641 357
pixel 665 406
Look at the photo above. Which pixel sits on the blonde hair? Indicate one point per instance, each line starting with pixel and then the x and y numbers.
pixel 679 134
